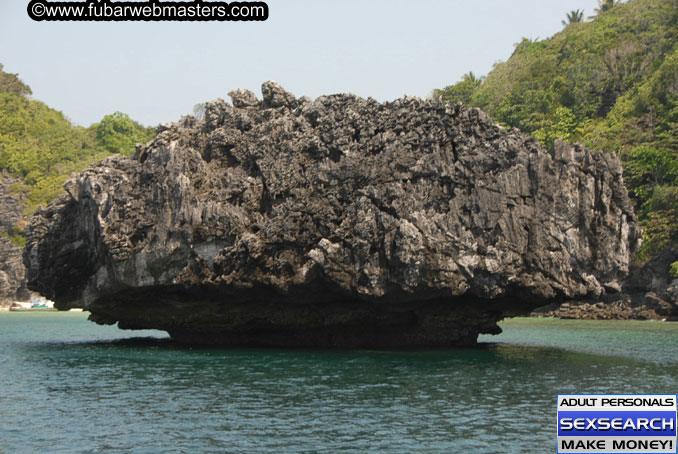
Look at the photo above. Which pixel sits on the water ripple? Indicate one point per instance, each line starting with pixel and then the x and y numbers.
pixel 106 391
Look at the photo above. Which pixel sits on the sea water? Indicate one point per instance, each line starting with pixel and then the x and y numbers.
pixel 70 386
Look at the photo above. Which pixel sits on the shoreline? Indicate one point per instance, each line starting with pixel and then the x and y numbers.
pixel 567 311
pixel 40 310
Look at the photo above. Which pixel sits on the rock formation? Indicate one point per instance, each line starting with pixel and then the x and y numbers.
pixel 334 222
pixel 12 270
pixel 648 293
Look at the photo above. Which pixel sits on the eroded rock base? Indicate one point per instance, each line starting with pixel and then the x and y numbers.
pixel 339 324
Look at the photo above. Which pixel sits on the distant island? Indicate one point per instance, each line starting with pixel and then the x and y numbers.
pixel 39 149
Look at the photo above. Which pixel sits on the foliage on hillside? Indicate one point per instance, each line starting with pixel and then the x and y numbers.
pixel 610 84
pixel 10 83
pixel 41 145
pixel 118 133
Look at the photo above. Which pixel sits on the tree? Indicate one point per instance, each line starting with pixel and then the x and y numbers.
pixel 10 83
pixel 573 17
pixel 646 167
pixel 605 5
pixel 469 77
pixel 461 91
pixel 674 270
pixel 117 133
pixel 561 125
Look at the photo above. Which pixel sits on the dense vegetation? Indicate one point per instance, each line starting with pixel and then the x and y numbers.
pixel 610 83
pixel 41 145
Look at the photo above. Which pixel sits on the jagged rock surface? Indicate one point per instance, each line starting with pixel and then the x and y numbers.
pixel 334 222
pixel 12 270
pixel 648 293
pixel 12 273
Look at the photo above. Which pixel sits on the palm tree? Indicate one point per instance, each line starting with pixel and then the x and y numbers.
pixel 574 16
pixel 605 5
pixel 469 77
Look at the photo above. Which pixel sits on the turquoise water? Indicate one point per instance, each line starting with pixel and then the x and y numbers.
pixel 70 386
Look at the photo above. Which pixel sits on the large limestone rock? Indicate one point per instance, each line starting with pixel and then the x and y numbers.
pixel 334 222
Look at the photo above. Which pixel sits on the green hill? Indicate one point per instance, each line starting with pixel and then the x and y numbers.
pixel 610 83
pixel 42 147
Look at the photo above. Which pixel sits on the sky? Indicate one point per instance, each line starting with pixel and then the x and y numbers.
pixel 158 71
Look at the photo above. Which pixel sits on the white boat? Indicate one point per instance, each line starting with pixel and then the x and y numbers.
pixel 41 304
